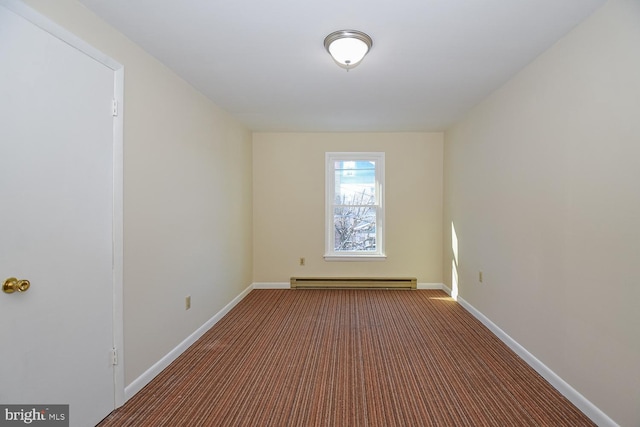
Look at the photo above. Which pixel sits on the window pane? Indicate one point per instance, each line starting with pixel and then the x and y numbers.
pixel 354 212
pixel 355 182
pixel 355 228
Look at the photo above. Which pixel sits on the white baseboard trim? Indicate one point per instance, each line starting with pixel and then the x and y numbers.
pixel 430 286
pixel 588 408
pixel 144 379
pixel 446 289
pixel 271 285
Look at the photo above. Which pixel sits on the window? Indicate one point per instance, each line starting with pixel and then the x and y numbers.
pixel 354 206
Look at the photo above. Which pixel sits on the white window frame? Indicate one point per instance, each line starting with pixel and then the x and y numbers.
pixel 330 253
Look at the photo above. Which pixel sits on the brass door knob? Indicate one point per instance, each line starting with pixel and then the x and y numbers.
pixel 12 285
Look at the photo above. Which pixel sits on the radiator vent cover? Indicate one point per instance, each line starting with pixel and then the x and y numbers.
pixel 353 282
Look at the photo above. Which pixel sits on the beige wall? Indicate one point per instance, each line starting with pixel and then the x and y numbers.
pixel 187 197
pixel 289 200
pixel 542 183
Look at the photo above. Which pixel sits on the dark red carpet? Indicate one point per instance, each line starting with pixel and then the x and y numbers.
pixel 348 358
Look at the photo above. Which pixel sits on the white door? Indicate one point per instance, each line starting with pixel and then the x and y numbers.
pixel 56 214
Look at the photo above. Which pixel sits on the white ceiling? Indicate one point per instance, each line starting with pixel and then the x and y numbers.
pixel 264 60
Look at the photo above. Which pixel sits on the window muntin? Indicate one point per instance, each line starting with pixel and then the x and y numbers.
pixel 354 205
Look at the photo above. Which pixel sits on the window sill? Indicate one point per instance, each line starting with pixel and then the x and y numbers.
pixel 355 257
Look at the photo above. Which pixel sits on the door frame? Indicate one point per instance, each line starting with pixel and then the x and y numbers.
pixel 74 41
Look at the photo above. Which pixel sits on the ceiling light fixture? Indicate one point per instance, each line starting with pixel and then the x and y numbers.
pixel 348 47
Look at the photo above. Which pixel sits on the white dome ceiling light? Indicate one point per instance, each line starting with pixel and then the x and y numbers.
pixel 348 47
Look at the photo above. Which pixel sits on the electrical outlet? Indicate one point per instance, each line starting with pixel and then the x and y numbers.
pixel 302 261
pixel 187 302
pixel 480 276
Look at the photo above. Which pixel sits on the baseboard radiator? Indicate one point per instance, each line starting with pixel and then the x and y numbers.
pixel 353 282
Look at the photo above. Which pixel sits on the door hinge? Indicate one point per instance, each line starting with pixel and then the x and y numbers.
pixel 114 356
pixel 114 107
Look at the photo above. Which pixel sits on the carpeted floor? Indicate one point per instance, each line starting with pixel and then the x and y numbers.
pixel 348 358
